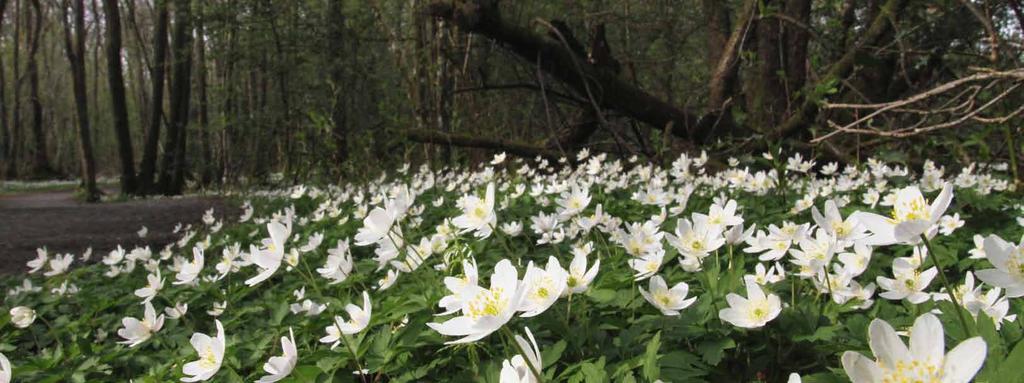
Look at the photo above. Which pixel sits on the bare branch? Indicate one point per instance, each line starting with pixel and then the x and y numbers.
pixel 964 106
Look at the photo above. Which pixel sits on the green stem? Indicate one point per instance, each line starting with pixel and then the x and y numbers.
pixel 355 358
pixel 945 282
pixel 504 240
pixel 309 273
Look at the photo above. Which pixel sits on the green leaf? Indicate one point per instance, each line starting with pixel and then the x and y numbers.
pixel 552 353
pixel 711 351
pixel 1009 369
pixel 602 296
pixel 651 369
pixel 593 373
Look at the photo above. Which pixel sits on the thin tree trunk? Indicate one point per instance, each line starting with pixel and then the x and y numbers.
pixel 228 110
pixel 336 47
pixel 796 46
pixel 5 135
pixel 40 160
pixel 75 49
pixel 204 119
pixel 172 176
pixel 147 171
pixel 138 64
pixel 119 103
pixel 13 150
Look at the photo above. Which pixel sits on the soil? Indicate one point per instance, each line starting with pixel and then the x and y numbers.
pixel 56 220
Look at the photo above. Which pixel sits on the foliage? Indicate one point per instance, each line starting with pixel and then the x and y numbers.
pixel 607 333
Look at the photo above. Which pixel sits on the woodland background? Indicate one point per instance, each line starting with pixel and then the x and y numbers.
pixel 166 94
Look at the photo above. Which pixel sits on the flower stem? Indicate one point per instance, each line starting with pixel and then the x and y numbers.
pixel 945 282
pixel 362 374
pixel 309 275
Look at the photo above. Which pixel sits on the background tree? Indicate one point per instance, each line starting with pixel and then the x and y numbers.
pixel 75 50
pixel 118 99
pixel 318 89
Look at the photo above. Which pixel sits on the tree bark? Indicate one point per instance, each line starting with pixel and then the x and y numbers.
pixel 724 53
pixel 796 44
pixel 15 127
pixel 336 48
pixel 75 50
pixel 203 117
pixel 119 102
pixel 5 137
pixel 40 160
pixel 172 177
pixel 14 149
pixel 147 171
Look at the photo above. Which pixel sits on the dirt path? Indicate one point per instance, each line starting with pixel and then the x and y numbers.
pixel 56 220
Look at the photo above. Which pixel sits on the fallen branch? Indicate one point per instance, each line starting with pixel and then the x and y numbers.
pixel 609 91
pixel 518 148
pixel 960 113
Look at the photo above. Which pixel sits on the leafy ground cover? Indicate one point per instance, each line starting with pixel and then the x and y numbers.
pixel 773 269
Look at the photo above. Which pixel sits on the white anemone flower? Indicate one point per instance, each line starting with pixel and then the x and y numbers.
pixel 154 283
pixel 39 262
pixel 1008 260
pixel 478 214
pixel 542 287
pixel 376 226
pixel 754 311
pixel 668 301
pixel 359 318
pixel 269 258
pixel 909 283
pixel 211 354
pixel 22 316
pixel 485 310
pixel 457 286
pixel 59 265
pixel 5 369
pixel 278 367
pixel 137 331
pixel 911 217
pixel 518 369
pixel 579 276
pixel 698 239
pixel 925 360
pixel 190 270
pixel 339 263
pixel 648 264
pixel 179 310
pixel 848 230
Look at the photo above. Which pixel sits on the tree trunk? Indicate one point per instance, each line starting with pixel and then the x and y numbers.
pixel 147 171
pixel 13 150
pixel 119 103
pixel 75 50
pixel 40 160
pixel 336 48
pixel 5 136
pixel 796 44
pixel 228 110
pixel 172 176
pixel 204 117
pixel 138 64
pixel 767 103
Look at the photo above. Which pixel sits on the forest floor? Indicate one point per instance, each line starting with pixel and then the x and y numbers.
pixel 57 220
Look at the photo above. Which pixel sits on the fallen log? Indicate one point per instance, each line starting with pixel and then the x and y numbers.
pixel 607 90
